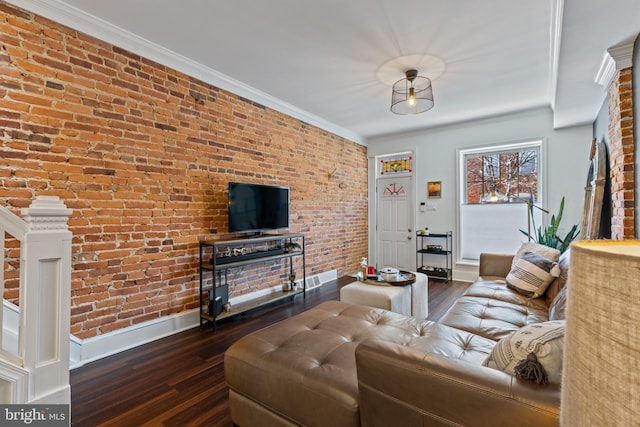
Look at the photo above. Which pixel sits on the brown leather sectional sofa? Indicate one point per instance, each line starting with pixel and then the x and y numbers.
pixel 340 364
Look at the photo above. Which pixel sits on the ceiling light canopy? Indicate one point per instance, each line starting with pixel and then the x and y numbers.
pixel 412 95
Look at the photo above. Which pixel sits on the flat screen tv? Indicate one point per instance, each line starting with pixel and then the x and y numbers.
pixel 257 207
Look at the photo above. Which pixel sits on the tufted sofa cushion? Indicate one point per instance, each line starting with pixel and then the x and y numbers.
pixel 493 311
pixel 497 290
pixel 303 369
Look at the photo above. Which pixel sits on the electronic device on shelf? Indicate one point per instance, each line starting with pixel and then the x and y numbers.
pixel 226 259
pixel 257 207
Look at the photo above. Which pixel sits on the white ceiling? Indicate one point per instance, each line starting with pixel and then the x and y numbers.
pixel 332 62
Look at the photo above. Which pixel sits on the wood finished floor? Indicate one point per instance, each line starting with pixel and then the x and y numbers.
pixel 179 380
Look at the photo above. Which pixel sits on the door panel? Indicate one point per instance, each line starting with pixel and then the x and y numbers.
pixel 394 231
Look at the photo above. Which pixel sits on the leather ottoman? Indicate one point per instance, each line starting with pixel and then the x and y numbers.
pixel 410 300
pixel 302 370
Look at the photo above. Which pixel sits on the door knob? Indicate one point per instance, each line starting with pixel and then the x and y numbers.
pixel 409 237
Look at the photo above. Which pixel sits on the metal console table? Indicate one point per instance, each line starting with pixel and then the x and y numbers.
pixel 225 255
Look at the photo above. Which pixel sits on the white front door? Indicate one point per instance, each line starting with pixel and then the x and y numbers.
pixel 394 231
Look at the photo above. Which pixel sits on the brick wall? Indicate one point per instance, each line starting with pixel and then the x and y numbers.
pixel 622 154
pixel 143 154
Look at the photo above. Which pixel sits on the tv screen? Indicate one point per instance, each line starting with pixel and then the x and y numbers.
pixel 257 207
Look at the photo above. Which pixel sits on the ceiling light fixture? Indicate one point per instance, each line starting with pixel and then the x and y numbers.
pixel 412 95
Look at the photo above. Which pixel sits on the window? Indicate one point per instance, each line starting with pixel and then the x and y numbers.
pixel 529 163
pixel 495 184
pixel 499 177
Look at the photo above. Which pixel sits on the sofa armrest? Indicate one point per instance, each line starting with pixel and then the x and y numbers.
pixel 495 264
pixel 400 385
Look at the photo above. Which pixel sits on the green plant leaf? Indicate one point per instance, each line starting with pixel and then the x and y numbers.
pixel 548 235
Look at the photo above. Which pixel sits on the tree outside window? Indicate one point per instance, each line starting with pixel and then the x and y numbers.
pixel 502 177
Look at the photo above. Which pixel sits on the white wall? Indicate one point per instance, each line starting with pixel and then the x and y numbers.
pixel 567 162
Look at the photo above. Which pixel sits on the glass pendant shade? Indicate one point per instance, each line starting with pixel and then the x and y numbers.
pixel 412 95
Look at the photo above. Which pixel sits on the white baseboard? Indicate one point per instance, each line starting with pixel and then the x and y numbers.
pixel 465 272
pixel 60 396
pixel 464 276
pixel 83 351
pixel 87 350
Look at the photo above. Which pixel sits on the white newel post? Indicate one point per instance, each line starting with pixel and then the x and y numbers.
pixel 45 300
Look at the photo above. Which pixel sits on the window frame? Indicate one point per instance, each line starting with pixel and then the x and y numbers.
pixel 490 149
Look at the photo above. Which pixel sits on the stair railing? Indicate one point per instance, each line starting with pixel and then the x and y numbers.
pixel 36 370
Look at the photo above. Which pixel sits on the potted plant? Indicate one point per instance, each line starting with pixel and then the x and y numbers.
pixel 549 235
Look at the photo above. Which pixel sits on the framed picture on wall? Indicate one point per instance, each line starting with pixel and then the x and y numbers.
pixel 434 189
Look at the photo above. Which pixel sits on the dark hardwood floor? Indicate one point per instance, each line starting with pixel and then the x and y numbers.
pixel 179 380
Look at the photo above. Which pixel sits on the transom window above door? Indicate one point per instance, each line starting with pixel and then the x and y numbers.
pixel 399 164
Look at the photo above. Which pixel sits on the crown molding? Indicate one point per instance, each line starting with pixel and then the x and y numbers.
pixel 622 54
pixel 79 20
pixel 606 72
pixel 616 58
pixel 557 13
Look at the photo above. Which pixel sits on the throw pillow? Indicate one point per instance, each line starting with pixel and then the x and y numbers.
pixel 562 280
pixel 547 252
pixel 558 307
pixel 534 352
pixel 532 274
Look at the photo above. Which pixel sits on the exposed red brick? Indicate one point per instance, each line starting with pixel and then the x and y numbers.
pixel 622 152
pixel 143 154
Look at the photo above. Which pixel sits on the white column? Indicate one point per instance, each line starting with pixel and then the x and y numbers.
pixel 45 300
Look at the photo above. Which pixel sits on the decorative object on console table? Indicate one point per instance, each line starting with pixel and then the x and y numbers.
pixel 363 268
pixel 229 254
pixel 389 274
pixel 392 277
pixel 435 250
